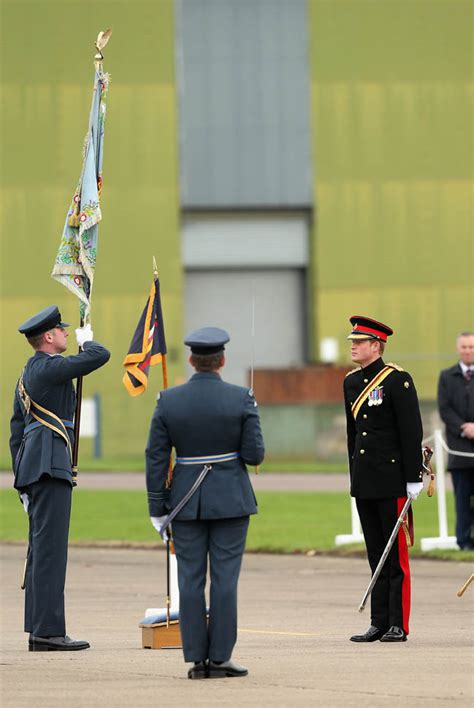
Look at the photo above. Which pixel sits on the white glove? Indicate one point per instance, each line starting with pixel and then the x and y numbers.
pixel 413 489
pixel 25 501
pixel 84 334
pixel 158 522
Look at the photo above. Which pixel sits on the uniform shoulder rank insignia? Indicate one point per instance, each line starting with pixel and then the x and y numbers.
pixel 394 366
pixel 353 371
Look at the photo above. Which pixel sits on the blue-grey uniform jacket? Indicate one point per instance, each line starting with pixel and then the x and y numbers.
pixel 48 381
pixel 205 416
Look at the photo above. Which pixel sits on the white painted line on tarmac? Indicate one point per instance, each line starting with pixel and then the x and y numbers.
pixel 286 634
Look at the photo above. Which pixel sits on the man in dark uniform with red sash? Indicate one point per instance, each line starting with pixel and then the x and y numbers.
pixel 384 435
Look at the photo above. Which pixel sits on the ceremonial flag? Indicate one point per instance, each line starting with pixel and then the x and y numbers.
pixel 75 262
pixel 148 346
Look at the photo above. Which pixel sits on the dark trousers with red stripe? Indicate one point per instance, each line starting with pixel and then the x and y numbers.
pixel 390 599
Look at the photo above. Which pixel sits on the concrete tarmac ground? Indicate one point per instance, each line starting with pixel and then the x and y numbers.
pixel 295 616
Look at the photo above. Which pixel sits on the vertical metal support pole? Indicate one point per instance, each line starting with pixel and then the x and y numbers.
pixel 98 426
pixel 355 521
pixel 440 481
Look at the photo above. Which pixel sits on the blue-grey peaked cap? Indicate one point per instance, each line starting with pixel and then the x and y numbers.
pixel 47 319
pixel 207 340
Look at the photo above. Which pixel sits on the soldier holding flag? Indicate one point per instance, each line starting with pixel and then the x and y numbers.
pixel 41 447
pixel 384 435
pixel 45 424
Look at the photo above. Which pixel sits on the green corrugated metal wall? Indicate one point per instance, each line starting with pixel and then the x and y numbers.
pixel 392 87
pixel 392 128
pixel 47 62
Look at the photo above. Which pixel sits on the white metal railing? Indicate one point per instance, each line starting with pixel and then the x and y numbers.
pixel 443 540
pixel 356 535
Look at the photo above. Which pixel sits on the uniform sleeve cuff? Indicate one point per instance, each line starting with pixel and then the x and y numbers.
pixel 157 503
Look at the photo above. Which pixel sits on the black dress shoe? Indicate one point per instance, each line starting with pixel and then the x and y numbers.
pixel 198 671
pixel 394 634
pixel 225 669
pixel 372 634
pixel 56 644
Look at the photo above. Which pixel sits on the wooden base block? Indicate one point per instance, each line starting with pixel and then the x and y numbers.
pixel 161 637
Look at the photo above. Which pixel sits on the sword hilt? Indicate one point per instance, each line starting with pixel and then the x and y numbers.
pixel 427 455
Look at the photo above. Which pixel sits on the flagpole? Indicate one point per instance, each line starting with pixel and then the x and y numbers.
pixel 77 426
pixel 101 41
pixel 169 542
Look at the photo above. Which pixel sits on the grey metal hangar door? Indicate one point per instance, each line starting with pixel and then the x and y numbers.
pixel 224 297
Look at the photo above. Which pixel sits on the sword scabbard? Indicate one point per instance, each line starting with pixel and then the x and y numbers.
pixel 384 555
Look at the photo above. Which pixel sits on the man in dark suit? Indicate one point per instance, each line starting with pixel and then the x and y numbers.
pixel 208 422
pixel 40 444
pixel 384 435
pixel 456 408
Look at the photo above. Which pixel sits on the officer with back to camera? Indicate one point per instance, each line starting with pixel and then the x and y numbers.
pixel 41 447
pixel 215 424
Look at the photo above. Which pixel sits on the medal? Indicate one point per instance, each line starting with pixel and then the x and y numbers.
pixel 376 396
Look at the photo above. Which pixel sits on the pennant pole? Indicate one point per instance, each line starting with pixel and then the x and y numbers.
pixel 169 542
pixel 164 368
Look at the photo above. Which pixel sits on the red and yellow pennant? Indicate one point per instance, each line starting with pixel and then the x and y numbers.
pixel 148 346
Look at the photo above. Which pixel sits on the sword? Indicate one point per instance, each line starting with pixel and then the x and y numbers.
pixel 25 568
pixel 427 453
pixel 462 590
pixel 252 362
pixel 384 555
pixel 168 592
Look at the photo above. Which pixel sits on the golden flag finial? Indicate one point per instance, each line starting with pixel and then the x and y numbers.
pixel 102 39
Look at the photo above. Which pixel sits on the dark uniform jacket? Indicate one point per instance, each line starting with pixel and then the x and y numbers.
pixel 48 381
pixel 456 406
pixel 384 442
pixel 205 416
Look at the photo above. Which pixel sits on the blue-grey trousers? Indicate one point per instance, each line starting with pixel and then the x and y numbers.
pixel 49 513
pixel 222 541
